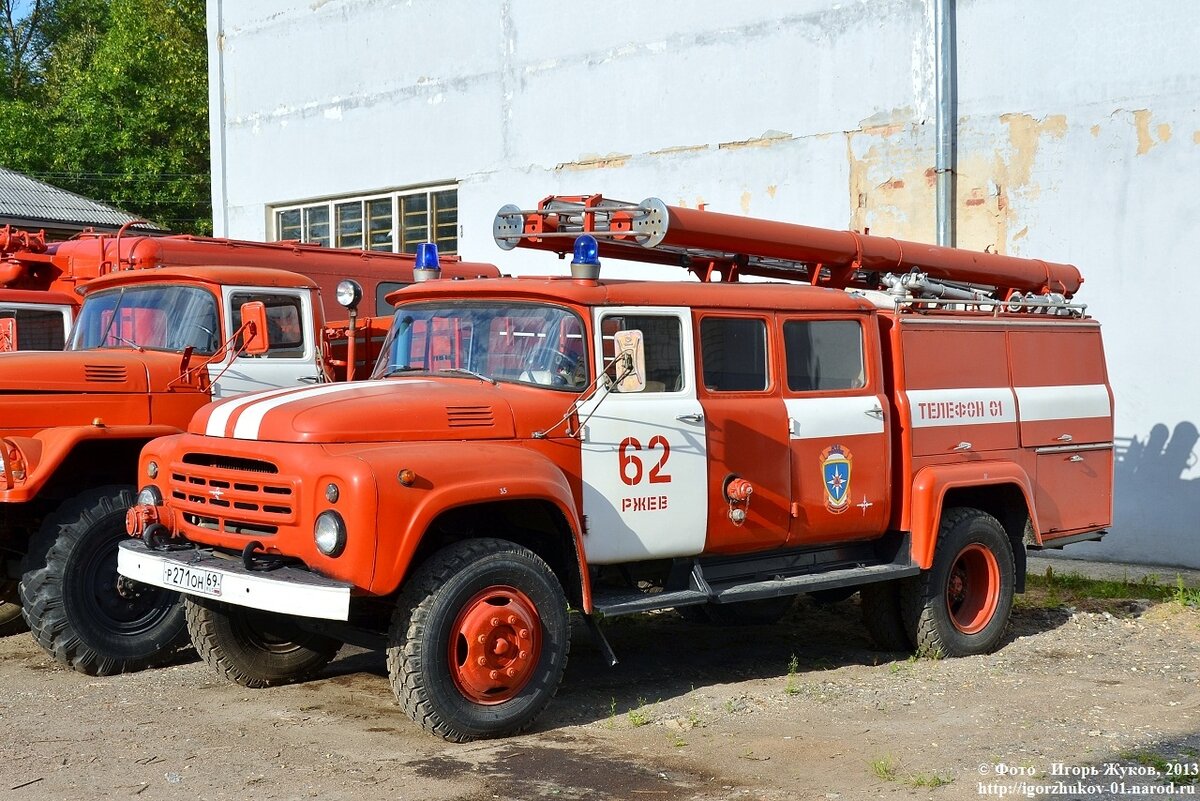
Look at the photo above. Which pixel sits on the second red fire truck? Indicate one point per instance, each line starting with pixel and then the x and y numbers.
pixel 898 419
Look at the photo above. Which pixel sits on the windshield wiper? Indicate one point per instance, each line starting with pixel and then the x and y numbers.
pixel 471 373
pixel 399 370
pixel 128 342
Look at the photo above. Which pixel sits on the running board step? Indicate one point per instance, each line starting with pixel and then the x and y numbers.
pixel 612 603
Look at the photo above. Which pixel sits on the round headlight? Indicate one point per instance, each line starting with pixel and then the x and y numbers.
pixel 330 533
pixel 348 293
pixel 149 496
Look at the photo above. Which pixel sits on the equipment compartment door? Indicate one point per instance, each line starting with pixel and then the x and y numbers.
pixel 837 425
pixel 644 454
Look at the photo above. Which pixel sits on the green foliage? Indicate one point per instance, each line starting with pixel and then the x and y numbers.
pixel 118 110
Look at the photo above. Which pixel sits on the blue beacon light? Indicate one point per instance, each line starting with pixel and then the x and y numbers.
pixel 587 251
pixel 427 256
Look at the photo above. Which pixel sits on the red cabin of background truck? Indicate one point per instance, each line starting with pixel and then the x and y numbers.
pixel 161 332
pixel 901 420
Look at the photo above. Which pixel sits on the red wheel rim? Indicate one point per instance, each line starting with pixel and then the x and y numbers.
pixel 973 588
pixel 495 644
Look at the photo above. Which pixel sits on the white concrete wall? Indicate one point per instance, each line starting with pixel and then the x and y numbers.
pixel 1079 136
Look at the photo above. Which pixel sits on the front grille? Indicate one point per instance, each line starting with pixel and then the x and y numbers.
pixel 105 373
pixel 232 494
pixel 470 416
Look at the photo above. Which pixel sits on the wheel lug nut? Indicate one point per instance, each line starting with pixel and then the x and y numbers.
pixel 510 672
pixel 481 639
pixel 523 655
pixel 481 661
pixel 495 674
pixel 512 620
pixel 495 621
pixel 523 634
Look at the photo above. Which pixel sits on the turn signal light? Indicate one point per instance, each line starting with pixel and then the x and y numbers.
pixel 407 477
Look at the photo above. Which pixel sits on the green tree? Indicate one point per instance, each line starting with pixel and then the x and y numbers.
pixel 117 108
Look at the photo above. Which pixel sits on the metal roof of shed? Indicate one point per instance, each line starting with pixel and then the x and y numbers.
pixel 31 201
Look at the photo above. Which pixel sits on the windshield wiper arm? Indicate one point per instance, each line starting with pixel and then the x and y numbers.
pixel 471 373
pixel 399 370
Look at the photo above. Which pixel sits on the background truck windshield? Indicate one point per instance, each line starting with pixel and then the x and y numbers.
pixel 158 317
pixel 529 343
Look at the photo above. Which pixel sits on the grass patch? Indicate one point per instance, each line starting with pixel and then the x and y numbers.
pixel 640 716
pixel 793 668
pixel 930 780
pixel 1052 589
pixel 1163 765
pixel 884 768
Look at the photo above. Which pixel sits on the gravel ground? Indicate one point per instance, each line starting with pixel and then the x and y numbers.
pixel 800 710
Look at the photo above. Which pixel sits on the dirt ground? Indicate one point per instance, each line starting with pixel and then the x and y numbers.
pixel 799 710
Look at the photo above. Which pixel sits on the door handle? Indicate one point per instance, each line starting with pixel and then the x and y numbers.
pixel 877 412
pixel 962 446
pixel 309 379
pixel 1076 458
pixel 689 418
pixel 1064 438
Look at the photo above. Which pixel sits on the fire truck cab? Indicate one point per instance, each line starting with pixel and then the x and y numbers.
pixel 898 420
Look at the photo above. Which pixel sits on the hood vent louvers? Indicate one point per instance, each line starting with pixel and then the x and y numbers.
pixel 470 416
pixel 105 373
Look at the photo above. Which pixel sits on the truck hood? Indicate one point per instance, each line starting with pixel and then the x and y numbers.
pixel 90 371
pixel 367 411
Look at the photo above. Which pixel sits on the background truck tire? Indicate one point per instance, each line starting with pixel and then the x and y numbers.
pixel 472 613
pixel 69 591
pixel 960 607
pixel 256 649
pixel 882 617
pixel 11 620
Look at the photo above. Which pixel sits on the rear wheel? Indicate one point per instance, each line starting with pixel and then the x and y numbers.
pixel 79 609
pixel 11 621
pixel 479 640
pixel 882 617
pixel 960 607
pixel 253 648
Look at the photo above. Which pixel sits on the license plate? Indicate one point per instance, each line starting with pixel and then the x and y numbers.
pixel 195 580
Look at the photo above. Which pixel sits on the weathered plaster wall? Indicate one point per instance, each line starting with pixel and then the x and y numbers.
pixel 1079 138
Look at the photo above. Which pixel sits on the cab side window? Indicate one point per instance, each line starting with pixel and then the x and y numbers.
pixel 823 355
pixel 285 322
pixel 664 348
pixel 734 353
pixel 382 289
pixel 37 329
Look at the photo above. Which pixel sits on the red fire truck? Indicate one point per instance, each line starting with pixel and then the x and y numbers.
pixel 898 419
pixel 161 332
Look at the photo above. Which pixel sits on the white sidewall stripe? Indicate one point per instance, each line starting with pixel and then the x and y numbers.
pixel 1063 402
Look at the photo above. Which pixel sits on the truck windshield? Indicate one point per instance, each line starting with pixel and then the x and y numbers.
pixel 159 317
pixel 523 342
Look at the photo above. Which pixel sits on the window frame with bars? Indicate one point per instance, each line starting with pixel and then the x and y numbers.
pixel 405 218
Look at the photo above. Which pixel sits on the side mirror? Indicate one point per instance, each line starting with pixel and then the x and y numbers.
pixel 630 361
pixel 254 321
pixel 8 334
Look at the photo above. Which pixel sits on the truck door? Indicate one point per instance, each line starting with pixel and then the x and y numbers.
pixel 746 424
pixel 291 360
pixel 644 453
pixel 837 425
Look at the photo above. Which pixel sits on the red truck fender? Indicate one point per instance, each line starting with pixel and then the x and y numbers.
pixel 42 454
pixel 491 471
pixel 929 489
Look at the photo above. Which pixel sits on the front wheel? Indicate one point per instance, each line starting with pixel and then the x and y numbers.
pixel 256 649
pixel 80 610
pixel 960 607
pixel 479 640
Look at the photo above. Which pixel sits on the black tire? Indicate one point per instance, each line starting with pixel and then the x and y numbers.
pixel 253 648
pixel 881 615
pixel 11 619
pixel 971 581
pixel 70 596
pixel 763 612
pixel 452 588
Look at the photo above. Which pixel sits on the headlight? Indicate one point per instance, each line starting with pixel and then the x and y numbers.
pixel 149 496
pixel 348 293
pixel 330 533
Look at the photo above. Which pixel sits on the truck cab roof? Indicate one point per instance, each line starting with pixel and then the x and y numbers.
pixel 214 274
